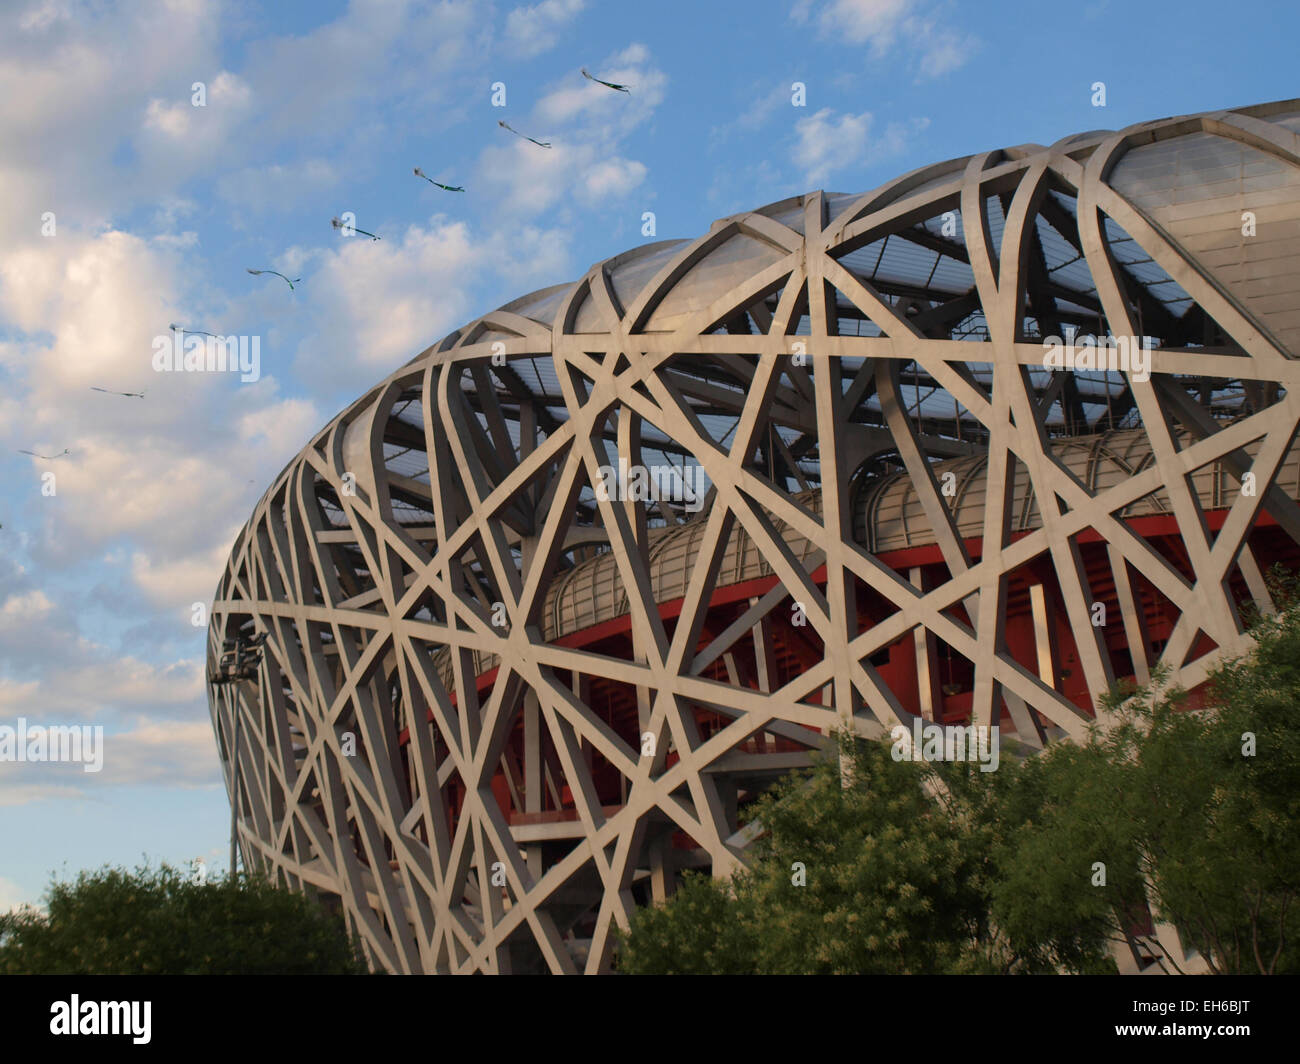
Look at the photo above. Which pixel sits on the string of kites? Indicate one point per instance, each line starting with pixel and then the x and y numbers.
pixel 348 229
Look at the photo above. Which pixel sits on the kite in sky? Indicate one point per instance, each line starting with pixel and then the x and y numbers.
pixel 539 143
pixel 47 457
pixel 351 228
pixel 128 395
pixel 445 188
pixel 277 273
pixel 607 84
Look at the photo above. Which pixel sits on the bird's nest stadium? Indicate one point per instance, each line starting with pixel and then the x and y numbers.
pixel 971 447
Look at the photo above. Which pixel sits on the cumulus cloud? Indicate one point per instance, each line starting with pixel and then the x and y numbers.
pixel 132 126
pixel 160 204
pixel 54 670
pixel 164 753
pixel 12 896
pixel 765 104
pixel 179 582
pixel 174 753
pixel 94 685
pixel 942 48
pixel 535 28
pixel 376 305
pixel 632 67
pixel 188 123
pixel 858 21
pixel 282 428
pixel 587 125
pixel 915 29
pixel 827 143
pixel 77 70
pixel 532 183
pixel 139 518
pixel 91 310
pixel 23 609
pixel 324 81
pixel 99 300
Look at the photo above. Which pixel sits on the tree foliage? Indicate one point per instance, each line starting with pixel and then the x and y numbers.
pixel 891 884
pixel 1188 817
pixel 160 922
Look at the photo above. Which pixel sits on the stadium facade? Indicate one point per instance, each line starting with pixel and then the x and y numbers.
pixel 544 609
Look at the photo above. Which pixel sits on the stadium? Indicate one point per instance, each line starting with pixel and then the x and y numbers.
pixel 498 697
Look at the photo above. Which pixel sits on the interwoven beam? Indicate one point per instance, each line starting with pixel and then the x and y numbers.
pixel 499 706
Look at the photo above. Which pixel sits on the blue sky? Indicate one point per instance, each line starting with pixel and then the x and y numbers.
pixel 313 109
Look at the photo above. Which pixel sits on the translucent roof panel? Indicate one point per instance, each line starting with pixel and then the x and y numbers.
pixel 636 270
pixel 541 306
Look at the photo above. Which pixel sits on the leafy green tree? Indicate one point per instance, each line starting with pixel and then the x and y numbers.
pixel 873 877
pixel 1053 823
pixel 160 922
pixel 1220 805
pixel 1195 811
pixel 706 929
pixel 1190 816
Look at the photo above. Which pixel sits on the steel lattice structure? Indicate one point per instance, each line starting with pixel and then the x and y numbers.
pixel 497 707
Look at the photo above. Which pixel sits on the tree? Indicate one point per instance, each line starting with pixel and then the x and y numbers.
pixel 706 929
pixel 1192 812
pixel 1165 812
pixel 1220 804
pixel 159 922
pixel 870 877
pixel 1062 881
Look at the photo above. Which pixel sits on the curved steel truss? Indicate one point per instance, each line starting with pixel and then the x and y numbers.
pixel 511 687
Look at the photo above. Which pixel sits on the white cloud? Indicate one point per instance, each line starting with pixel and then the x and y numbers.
pixel 533 29
pixel 283 428
pixel 12 896
pixel 376 305
pixel 16 698
pixel 587 125
pixel 92 309
pixel 189 126
pixel 159 484
pixel 320 85
pixel 91 684
pixel 24 608
pixel 533 182
pixel 106 136
pixel 177 583
pixel 611 179
pixel 911 28
pixel 171 753
pixel 858 21
pixel 42 16
pixel 14 793
pixel 174 753
pixel 580 96
pixel 827 143
pixel 946 50
pixel 765 104
pixel 85 76
pixel 106 121
pixel 102 300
